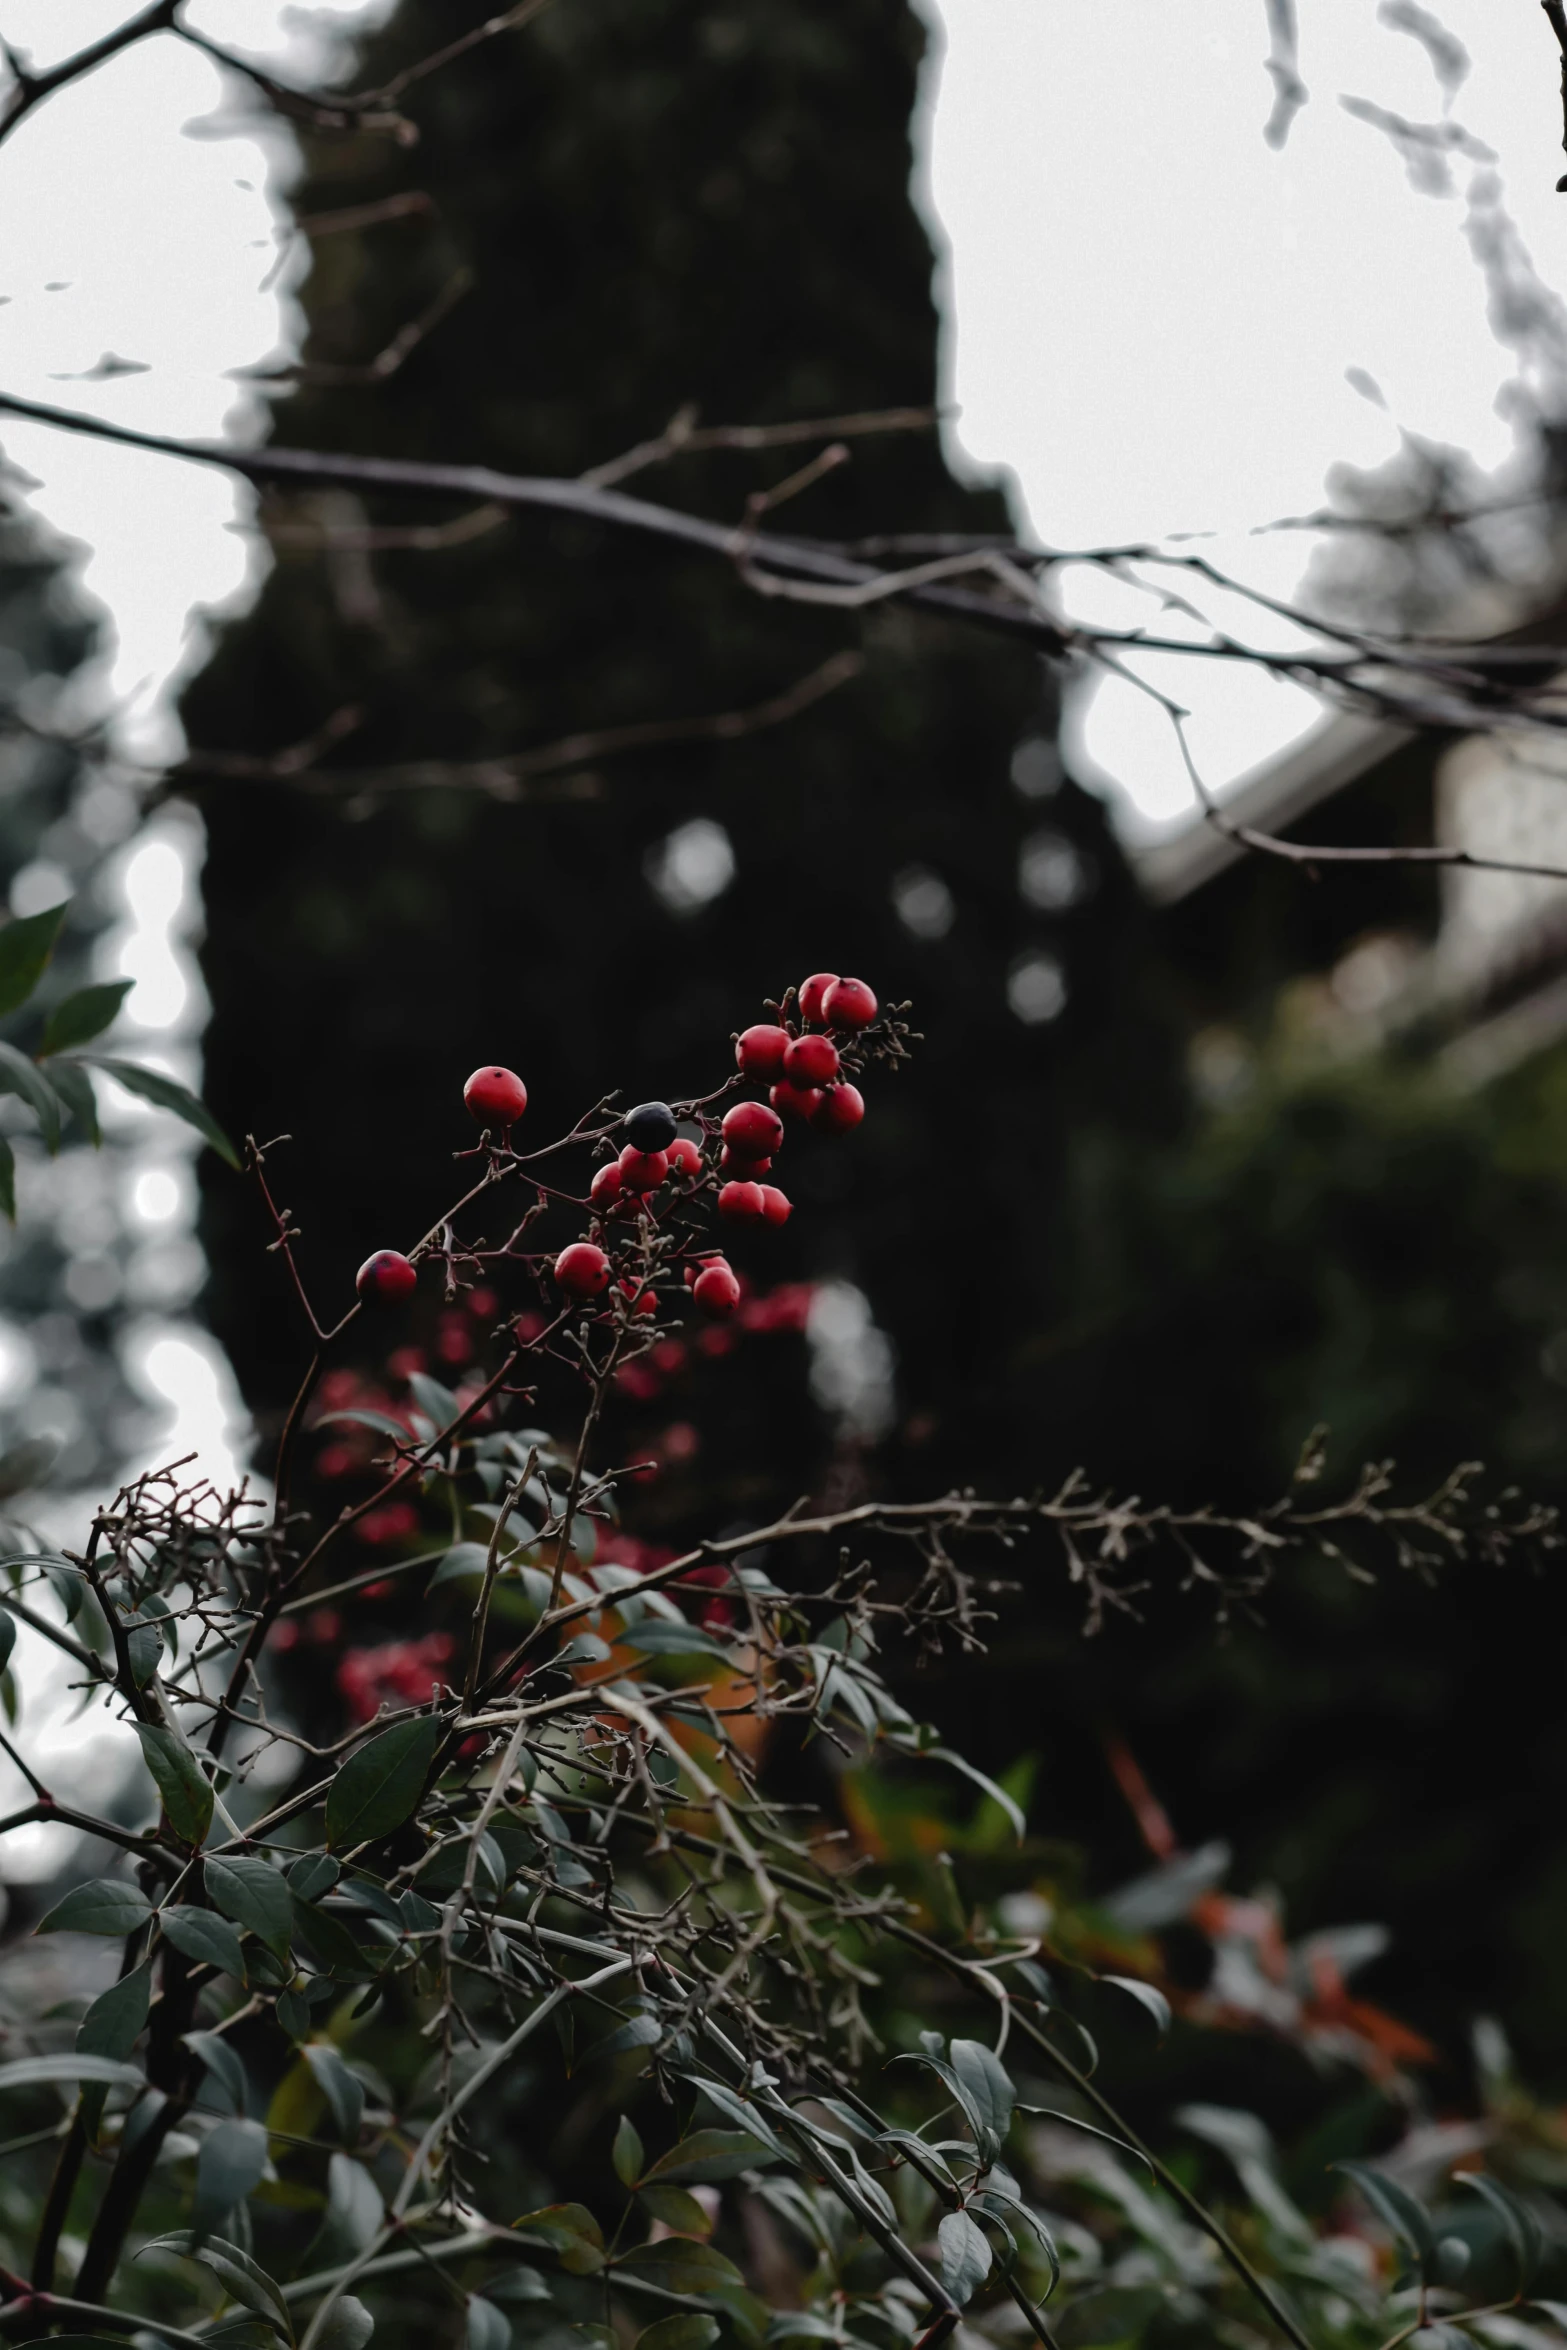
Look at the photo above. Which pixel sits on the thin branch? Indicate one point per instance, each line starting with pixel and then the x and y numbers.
pixel 504 776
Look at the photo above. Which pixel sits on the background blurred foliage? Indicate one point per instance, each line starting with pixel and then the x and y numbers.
pixel 1076 1262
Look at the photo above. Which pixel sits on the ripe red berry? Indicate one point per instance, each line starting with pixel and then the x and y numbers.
pixel 497 1097
pixel 735 1163
pixel 642 1170
pixel 840 1107
pixel 850 1004
pixel 775 1206
pixel 605 1187
pixel 759 1051
pixel 716 1289
pixel 811 1060
pixel 642 1297
pixel 742 1202
pixel 684 1157
pixel 387 1275
pixel 752 1130
pixel 582 1270
pixel 813 994
pixel 795 1101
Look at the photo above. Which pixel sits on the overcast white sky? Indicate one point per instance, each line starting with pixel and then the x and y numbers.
pixel 1150 312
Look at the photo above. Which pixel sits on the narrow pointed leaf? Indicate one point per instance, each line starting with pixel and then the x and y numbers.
pixel 22 1077
pixel 113 2022
pixel 104 1905
pixel 74 1087
pixel 178 1777
pixel 26 943
pixel 205 1937
pixel 243 2278
pixel 83 1016
pixel 965 2256
pixel 152 1086
pixel 378 1788
pixel 251 1892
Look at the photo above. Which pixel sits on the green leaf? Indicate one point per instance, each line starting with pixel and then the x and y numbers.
pixel 984 2076
pixel 83 1016
pixel 1524 2233
pixel 1395 2206
pixel 965 2256
pixel 331 1944
pixel 348 2326
pixel 729 2102
pixel 113 2023
pixel 178 1777
pixel 26 943
pixel 997 1794
pixel 104 1905
pixel 7 1637
pixel 684 2331
pixel 222 2063
pixel 627 2152
pixel 489 2328
pixel 251 1892
pixel 681 2267
pixel 710 2155
pixel 310 1878
pixel 343 2090
pixel 33 2072
pixel 74 1087
pixel 363 1416
pixel 153 1086
pixel 20 1076
pixel 676 2208
pixel 232 2161
pixel 208 1939
pixel 144 1647
pixel 380 1786
pixel 244 2279
pixel 656 1636
pixel 1146 1996
pixel 570 2231
pixel 465 1561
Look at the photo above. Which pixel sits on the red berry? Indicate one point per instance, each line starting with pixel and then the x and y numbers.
pixel 684 1157
pixel 641 1296
pixel 582 1270
pixel 811 1060
pixel 605 1186
pixel 752 1130
pixel 759 1051
pixel 775 1207
pixel 840 1107
pixel 795 1101
pixel 742 1202
pixel 497 1097
pixel 716 1289
pixel 849 1005
pixel 387 1275
pixel 814 994
pixel 642 1170
pixel 732 1163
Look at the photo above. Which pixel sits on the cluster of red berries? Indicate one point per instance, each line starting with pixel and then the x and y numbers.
pixel 803 1065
